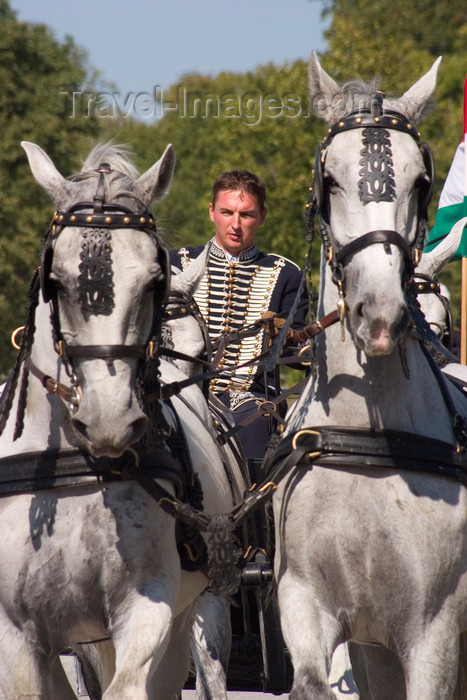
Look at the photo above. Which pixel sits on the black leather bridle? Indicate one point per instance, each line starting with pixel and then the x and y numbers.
pixel 103 215
pixel 373 118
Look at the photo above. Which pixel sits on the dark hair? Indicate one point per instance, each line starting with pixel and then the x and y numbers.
pixel 240 180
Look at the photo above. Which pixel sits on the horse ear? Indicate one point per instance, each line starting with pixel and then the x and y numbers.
pixel 323 92
pixel 413 103
pixel 45 172
pixel 433 262
pixel 155 182
pixel 188 280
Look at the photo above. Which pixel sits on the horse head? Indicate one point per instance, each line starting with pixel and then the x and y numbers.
pixel 104 275
pixel 373 180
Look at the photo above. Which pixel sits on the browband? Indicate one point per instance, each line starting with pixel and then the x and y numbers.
pixel 360 119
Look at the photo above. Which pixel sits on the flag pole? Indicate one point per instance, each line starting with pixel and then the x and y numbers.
pixel 464 260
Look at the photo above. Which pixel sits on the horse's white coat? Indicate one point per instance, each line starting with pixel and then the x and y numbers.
pixel 85 562
pixel 184 333
pixel 371 555
pixel 431 265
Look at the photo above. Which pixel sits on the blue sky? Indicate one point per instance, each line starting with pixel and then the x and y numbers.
pixel 137 45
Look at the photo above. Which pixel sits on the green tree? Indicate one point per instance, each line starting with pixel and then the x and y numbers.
pixel 257 121
pixel 36 74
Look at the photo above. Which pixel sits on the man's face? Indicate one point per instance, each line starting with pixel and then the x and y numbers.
pixel 236 216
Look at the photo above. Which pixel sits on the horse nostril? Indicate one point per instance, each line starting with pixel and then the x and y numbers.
pixel 359 309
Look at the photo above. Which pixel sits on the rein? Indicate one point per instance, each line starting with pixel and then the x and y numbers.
pixel 298 336
pixel 20 365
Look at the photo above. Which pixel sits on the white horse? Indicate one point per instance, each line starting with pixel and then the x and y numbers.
pixel 211 624
pixel 184 335
pixel 369 548
pixel 184 329
pixel 98 556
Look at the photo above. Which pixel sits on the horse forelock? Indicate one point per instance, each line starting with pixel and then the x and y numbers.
pixel 359 94
pixel 117 155
pixel 123 171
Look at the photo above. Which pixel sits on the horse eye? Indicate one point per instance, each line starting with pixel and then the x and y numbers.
pixel 55 281
pixel 331 183
pixel 155 280
pixel 421 182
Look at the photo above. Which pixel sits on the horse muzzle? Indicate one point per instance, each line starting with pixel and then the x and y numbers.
pixel 108 430
pixel 377 329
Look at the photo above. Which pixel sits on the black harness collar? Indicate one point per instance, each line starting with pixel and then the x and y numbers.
pixel 358 448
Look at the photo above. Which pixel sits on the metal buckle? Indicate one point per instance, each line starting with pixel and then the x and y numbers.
pixel 341 309
pixel 305 431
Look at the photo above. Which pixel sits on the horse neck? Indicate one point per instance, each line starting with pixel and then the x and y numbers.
pixel 396 392
pixel 186 337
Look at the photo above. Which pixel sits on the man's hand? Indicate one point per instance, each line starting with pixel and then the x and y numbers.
pixel 272 326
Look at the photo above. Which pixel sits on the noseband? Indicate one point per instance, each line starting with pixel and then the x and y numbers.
pixel 95 285
pixel 376 184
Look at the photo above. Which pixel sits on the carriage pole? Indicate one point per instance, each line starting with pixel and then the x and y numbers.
pixel 464 259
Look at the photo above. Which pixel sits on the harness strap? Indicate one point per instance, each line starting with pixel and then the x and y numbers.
pixel 315 328
pixel 335 446
pixel 112 218
pixel 265 407
pixel 176 355
pixel 371 238
pixel 105 352
pixel 344 448
pixel 182 310
pixel 43 470
pixel 423 284
pixel 170 504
